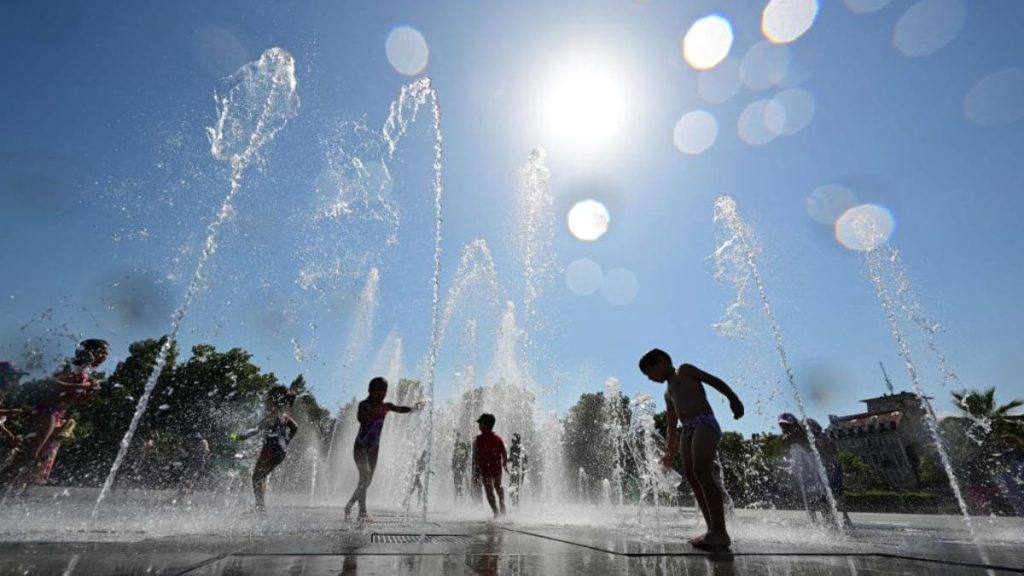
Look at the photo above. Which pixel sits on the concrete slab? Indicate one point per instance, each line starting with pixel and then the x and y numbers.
pixel 136 538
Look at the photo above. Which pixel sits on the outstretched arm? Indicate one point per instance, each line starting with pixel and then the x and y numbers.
pixel 87 385
pixel 671 421
pixel 718 384
pixel 293 428
pixel 403 409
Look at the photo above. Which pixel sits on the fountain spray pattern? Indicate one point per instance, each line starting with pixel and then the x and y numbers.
pixel 735 262
pixel 895 295
pixel 536 223
pixel 254 104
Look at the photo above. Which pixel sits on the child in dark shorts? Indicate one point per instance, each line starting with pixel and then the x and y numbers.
pixel 489 459
pixel 278 429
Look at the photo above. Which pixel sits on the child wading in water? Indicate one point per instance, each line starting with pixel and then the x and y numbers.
pixel 686 402
pixel 489 459
pixel 73 386
pixel 278 429
pixel 371 413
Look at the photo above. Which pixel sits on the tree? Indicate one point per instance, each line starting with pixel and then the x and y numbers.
pixel 103 422
pixel 988 433
pixel 212 394
pixel 857 475
pixel 989 422
pixel 585 441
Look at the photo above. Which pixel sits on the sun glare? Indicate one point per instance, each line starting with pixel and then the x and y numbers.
pixel 585 104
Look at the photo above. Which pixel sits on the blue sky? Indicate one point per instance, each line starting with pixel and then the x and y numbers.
pixel 107 185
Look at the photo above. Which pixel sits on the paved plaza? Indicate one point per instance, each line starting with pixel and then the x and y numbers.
pixel 140 533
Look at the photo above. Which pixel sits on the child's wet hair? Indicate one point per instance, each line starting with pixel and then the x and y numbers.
pixel 281 396
pixel 653 357
pixel 378 383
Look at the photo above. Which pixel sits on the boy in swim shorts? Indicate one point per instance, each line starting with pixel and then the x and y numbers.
pixel 687 403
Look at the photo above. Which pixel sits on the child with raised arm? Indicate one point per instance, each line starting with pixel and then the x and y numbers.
pixel 687 403
pixel 489 459
pixel 278 429
pixel 370 414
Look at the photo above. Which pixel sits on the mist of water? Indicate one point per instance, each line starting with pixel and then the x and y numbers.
pixel 735 262
pixel 892 287
pixel 254 104
pixel 536 223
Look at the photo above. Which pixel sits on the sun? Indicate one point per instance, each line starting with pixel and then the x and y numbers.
pixel 584 103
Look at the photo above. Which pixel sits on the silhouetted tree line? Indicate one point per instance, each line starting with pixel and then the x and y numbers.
pixel 212 393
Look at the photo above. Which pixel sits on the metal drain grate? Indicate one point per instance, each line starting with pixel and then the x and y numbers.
pixel 376 538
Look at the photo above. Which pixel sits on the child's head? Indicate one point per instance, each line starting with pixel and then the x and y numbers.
pixel 486 422
pixel 280 397
pixel 378 388
pixel 788 423
pixel 657 365
pixel 91 352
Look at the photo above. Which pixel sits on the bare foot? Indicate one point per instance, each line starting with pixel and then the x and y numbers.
pixel 713 542
pixel 696 539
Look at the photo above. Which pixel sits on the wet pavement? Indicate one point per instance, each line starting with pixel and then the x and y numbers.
pixel 304 540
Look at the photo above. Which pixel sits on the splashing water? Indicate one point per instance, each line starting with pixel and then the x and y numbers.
pixel 410 99
pixel 362 328
pixel 735 262
pixel 615 424
pixel 646 454
pixel 883 267
pixel 254 104
pixel 536 221
pixel 476 264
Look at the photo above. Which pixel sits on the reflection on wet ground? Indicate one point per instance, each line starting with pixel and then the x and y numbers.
pixel 310 541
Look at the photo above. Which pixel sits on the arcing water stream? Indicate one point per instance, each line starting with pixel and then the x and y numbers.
pixel 735 261
pixel 254 104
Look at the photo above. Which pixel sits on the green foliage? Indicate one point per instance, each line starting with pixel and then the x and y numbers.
pixel 212 393
pixel 984 430
pixel 588 440
pixel 857 475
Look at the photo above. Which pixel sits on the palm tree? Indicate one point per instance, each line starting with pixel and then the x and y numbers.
pixel 998 441
pixel 989 424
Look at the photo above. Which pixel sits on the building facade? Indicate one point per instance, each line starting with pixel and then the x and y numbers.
pixel 889 436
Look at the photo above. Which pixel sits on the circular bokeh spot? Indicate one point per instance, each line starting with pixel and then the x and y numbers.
pixel 764 65
pixel 584 277
pixel 997 99
pixel 695 132
pixel 753 123
pixel 793 111
pixel 866 6
pixel 720 83
pixel 620 287
pixel 707 42
pixel 865 227
pixel 783 21
pixel 407 50
pixel 588 220
pixel 928 26
pixel 827 203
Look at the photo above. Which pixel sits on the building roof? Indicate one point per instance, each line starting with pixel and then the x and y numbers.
pixel 865 419
pixel 902 394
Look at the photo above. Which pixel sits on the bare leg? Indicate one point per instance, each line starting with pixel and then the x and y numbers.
pixel 704 448
pixel 691 478
pixel 501 496
pixel 264 466
pixel 489 492
pixel 362 458
pixel 40 427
